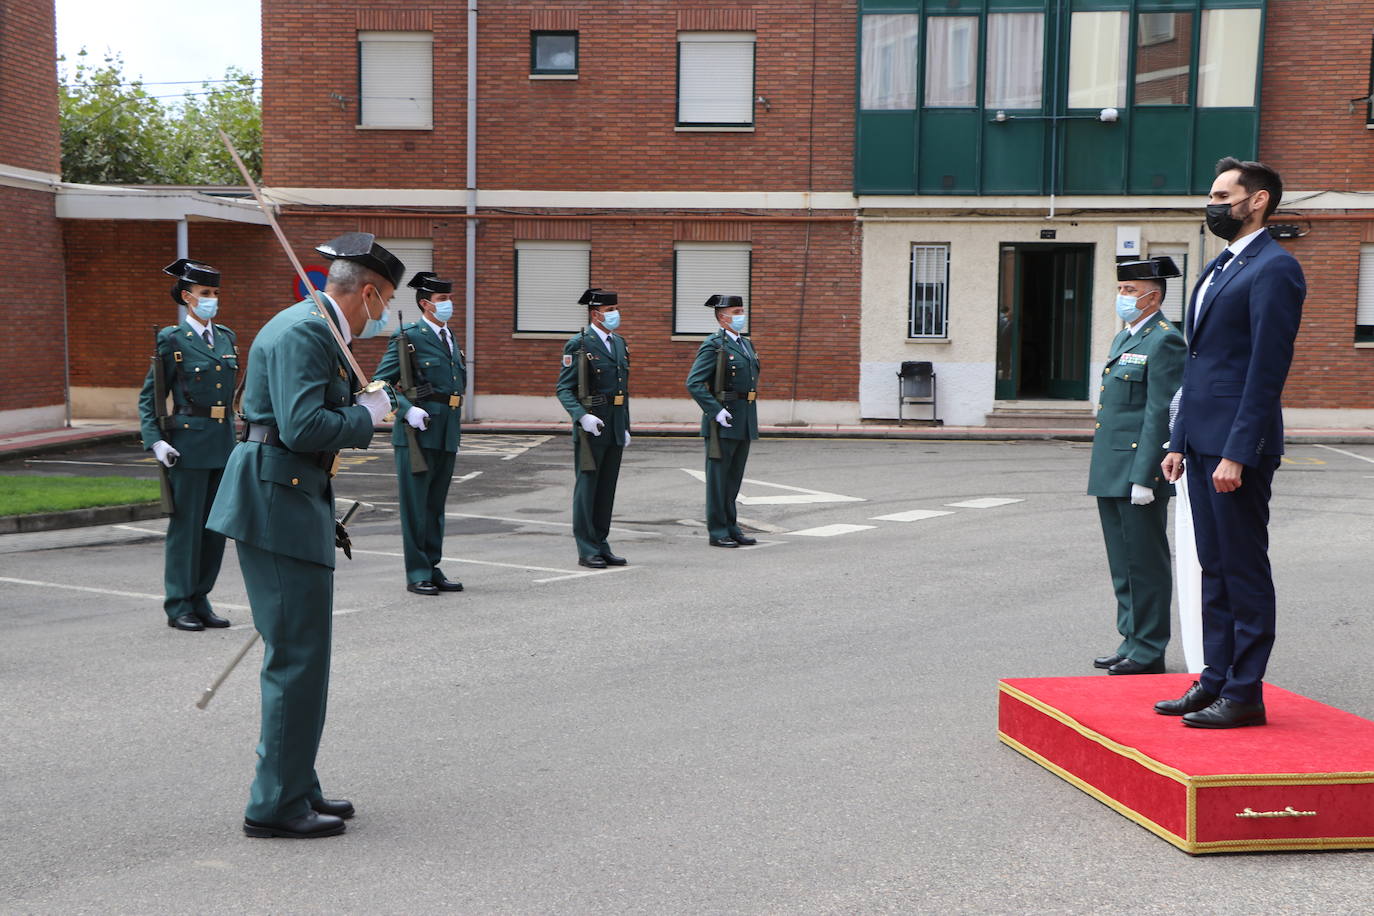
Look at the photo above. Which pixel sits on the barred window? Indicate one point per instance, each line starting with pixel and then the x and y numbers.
pixel 929 312
pixel 1177 288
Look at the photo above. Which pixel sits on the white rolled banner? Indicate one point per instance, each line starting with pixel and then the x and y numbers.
pixel 1187 577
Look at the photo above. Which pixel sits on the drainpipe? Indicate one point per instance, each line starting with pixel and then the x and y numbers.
pixel 470 224
pixel 183 246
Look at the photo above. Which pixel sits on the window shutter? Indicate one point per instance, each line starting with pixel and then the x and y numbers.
pixel 396 79
pixel 715 82
pixel 549 279
pixel 1176 296
pixel 1364 307
pixel 416 255
pixel 701 269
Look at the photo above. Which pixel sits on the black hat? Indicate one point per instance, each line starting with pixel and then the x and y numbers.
pixel 597 297
pixel 722 301
pixel 428 281
pixel 187 272
pixel 1149 269
pixel 362 247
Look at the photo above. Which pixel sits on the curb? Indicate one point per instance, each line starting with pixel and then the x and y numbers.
pixel 68 444
pixel 79 518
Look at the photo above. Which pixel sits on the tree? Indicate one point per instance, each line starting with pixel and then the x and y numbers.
pixel 115 132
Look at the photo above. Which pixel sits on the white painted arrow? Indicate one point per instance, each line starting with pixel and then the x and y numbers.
pixel 796 496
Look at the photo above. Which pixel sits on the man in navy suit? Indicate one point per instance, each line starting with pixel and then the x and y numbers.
pixel 1241 322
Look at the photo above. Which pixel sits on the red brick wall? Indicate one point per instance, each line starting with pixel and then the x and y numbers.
pixel 30 298
pixel 28 75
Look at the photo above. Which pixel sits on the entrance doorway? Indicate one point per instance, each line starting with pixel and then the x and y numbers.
pixel 1044 315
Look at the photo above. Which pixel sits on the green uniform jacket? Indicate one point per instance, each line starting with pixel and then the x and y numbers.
pixel 297 381
pixel 203 376
pixel 609 376
pixel 741 377
pixel 1142 374
pixel 447 373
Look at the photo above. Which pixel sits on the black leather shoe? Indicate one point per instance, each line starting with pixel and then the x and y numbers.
pixel 592 562
pixel 1196 698
pixel 613 560
pixel 1131 666
pixel 1225 713
pixel 745 540
pixel 341 808
pixel 186 622
pixel 307 826
pixel 211 619
pixel 422 588
pixel 444 584
pixel 1106 661
pixel 724 542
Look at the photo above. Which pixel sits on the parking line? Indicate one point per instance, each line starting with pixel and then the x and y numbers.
pixel 915 515
pixel 565 574
pixel 1341 451
pixel 830 531
pixel 986 502
pixel 108 591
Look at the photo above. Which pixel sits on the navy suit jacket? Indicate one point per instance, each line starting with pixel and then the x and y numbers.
pixel 1239 352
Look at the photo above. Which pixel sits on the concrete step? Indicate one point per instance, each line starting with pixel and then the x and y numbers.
pixel 1042 418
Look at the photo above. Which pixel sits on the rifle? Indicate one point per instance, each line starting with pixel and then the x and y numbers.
pixel 586 460
pixel 163 424
pixel 713 448
pixel 405 353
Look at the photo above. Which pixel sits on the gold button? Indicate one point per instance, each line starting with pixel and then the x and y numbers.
pixel 218 385
pixel 1098 426
pixel 1104 387
pixel 1132 445
pixel 219 368
pixel 295 480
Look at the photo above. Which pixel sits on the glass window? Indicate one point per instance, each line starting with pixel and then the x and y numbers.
pixel 701 269
pixel 888 77
pixel 715 79
pixel 1228 59
pixel 396 80
pixel 951 61
pixel 549 279
pixel 1163 58
pixel 1015 60
pixel 553 52
pixel 1364 307
pixel 1097 60
pixel 929 315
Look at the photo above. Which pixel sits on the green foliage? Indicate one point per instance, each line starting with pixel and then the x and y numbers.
pixel 115 132
pixel 25 495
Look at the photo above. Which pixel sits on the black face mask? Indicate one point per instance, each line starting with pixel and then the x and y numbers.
pixel 1222 223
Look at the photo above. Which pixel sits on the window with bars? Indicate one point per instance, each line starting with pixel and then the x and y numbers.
pixel 1177 288
pixel 928 316
pixel 396 80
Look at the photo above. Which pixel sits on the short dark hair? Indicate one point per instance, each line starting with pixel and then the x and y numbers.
pixel 1256 176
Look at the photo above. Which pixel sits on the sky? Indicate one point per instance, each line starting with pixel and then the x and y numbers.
pixel 164 41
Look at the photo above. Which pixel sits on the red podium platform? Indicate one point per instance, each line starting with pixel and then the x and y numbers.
pixel 1303 781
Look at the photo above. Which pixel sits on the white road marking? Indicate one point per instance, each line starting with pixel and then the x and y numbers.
pixel 757 525
pixel 108 591
pixel 987 502
pixel 1341 451
pixel 564 574
pixel 914 515
pixel 138 529
pixel 103 464
pixel 467 476
pixel 534 521
pixel 830 531
pixel 802 494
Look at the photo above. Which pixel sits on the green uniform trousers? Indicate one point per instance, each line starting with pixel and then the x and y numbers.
pixel 1137 541
pixel 594 493
pixel 293 609
pixel 423 500
pixel 193 553
pixel 723 479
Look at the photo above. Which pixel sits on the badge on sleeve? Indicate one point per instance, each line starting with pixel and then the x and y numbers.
pixel 567 360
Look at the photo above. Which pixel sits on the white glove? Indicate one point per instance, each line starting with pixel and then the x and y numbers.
pixel 724 418
pixel 165 454
pixel 418 418
pixel 377 404
pixel 627 438
pixel 1141 496
pixel 592 424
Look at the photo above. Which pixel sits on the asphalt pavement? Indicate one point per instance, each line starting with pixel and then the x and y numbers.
pixel 804 726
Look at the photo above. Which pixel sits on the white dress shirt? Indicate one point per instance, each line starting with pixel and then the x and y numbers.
pixel 199 328
pixel 1235 248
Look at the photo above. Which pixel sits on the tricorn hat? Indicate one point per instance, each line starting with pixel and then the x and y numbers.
pixel 597 297
pixel 187 272
pixel 362 247
pixel 1160 268
pixel 722 301
pixel 428 281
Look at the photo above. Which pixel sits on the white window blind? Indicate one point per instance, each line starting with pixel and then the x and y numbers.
pixel 929 314
pixel 1097 59
pixel 1228 58
pixel 1364 301
pixel 416 255
pixel 701 269
pixel 396 79
pixel 549 279
pixel 888 70
pixel 1176 296
pixel 715 79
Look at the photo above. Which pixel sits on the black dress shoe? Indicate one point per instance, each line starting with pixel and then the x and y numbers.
pixel 186 622
pixel 613 560
pixel 1226 713
pixel 341 808
pixel 1106 661
pixel 1131 666
pixel 211 619
pixel 422 588
pixel 745 540
pixel 445 584
pixel 724 542
pixel 307 826
pixel 592 562
pixel 1196 698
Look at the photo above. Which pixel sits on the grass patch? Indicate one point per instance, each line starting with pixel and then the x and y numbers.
pixel 27 495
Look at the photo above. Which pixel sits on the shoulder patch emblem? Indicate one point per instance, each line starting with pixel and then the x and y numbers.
pixel 567 359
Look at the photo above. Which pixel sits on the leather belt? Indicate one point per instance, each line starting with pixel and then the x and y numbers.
pixel 268 435
pixel 213 413
pixel 453 400
pixel 595 400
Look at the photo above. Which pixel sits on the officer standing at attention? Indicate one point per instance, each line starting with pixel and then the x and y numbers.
pixel 1143 371
pixel 277 502
pixel 199 366
pixel 724 380
pixel 429 419
pixel 594 387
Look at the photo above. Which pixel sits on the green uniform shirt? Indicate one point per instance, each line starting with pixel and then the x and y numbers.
pixel 446 371
pixel 608 374
pixel 198 375
pixel 741 380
